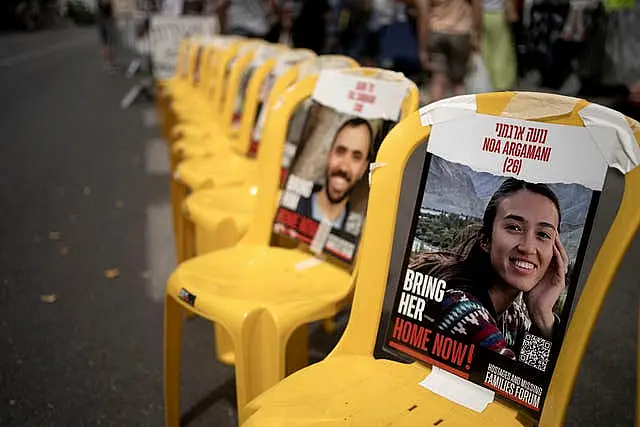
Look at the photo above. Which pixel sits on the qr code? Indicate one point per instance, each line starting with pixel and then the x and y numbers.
pixel 535 352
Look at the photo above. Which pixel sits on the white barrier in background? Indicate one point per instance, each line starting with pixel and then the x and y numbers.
pixel 159 46
pixel 166 34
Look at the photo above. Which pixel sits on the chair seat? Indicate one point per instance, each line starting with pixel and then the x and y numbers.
pixel 180 93
pixel 362 391
pixel 218 171
pixel 171 86
pixel 194 130
pixel 193 108
pixel 209 207
pixel 206 145
pixel 260 276
pixel 197 113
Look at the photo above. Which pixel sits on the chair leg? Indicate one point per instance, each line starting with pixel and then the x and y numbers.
pixel 248 348
pixel 297 350
pixel 172 346
pixel 329 325
pixel 174 188
pixel 266 354
pixel 225 351
pixel 178 195
pixel 188 231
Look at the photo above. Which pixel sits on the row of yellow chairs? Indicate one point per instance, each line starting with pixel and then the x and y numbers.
pixel 225 187
pixel 224 196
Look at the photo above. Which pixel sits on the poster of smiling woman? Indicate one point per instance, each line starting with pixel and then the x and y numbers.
pixel 499 231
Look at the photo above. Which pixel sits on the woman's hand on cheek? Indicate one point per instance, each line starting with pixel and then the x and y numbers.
pixel 543 296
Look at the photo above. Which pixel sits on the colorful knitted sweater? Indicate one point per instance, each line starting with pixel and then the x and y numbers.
pixel 463 316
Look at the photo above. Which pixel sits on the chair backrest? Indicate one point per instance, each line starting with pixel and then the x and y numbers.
pixel 233 69
pixel 296 124
pixel 190 65
pixel 204 49
pixel 205 80
pixel 186 67
pixel 243 113
pixel 224 49
pixel 354 109
pixel 182 63
pixel 267 94
pixel 457 233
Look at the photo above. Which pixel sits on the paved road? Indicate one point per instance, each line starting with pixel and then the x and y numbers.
pixel 83 187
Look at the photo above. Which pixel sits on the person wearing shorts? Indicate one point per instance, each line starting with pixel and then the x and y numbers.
pixel 106 31
pixel 448 32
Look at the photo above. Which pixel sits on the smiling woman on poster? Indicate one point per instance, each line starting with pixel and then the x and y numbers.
pixel 504 276
pixel 347 161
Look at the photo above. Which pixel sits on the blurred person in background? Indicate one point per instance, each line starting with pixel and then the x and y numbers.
pixel 622 52
pixel 448 32
pixel 619 81
pixel 250 18
pixel 392 39
pixel 349 25
pixel 309 27
pixel 498 48
pixel 107 33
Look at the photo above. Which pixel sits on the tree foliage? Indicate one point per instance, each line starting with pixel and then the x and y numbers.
pixel 441 230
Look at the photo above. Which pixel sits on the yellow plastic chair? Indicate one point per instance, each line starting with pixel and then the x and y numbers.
pixel 262 296
pixel 185 51
pixel 212 117
pixel 187 102
pixel 168 89
pixel 236 106
pixel 187 86
pixel 235 167
pixel 191 98
pixel 203 116
pixel 217 218
pixel 194 139
pixel 353 387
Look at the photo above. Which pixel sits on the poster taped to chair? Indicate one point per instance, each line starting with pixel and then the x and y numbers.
pixel 296 125
pixel 283 64
pixel 498 235
pixel 166 33
pixel 324 197
pixel 262 54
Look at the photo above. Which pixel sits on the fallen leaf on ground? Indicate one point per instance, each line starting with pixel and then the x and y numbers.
pixel 87 190
pixel 111 273
pixel 55 235
pixel 119 204
pixel 49 299
pixel 64 250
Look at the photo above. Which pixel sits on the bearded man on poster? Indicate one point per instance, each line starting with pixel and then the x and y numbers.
pixel 347 161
